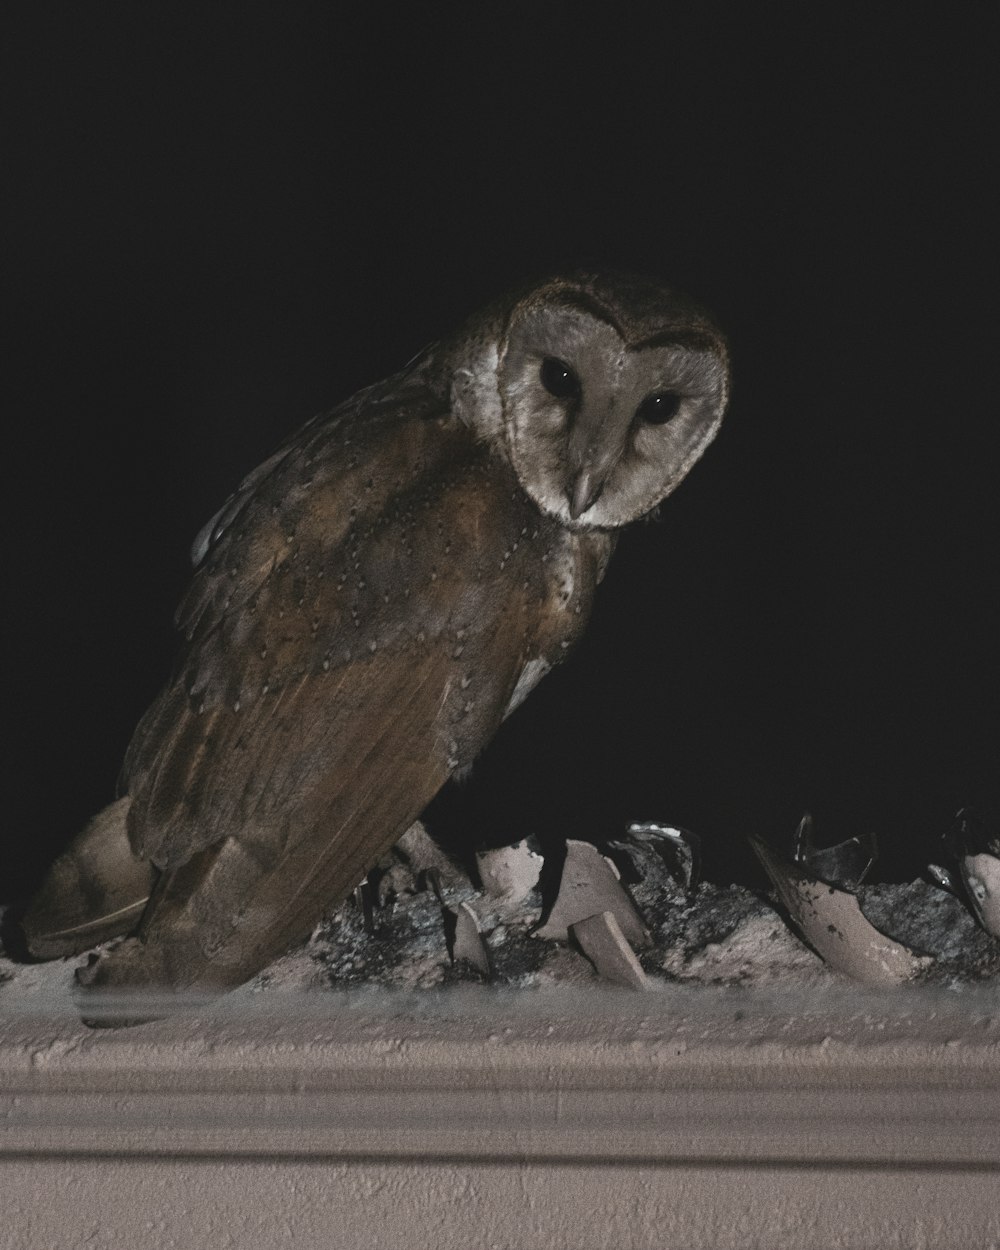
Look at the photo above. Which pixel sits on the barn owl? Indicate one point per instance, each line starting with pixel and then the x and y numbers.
pixel 367 608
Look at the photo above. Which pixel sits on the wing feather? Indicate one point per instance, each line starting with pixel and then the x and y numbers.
pixel 309 833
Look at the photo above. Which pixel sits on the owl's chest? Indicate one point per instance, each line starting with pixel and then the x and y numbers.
pixel 458 560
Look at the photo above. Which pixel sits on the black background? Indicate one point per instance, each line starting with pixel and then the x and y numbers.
pixel 221 219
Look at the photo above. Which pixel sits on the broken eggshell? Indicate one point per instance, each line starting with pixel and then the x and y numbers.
pixel 845 865
pixel 588 886
pixel 945 879
pixel 467 942
pixel 981 877
pixel 678 848
pixel 602 941
pixel 462 933
pixel 977 854
pixel 969 835
pixel 831 921
pixel 509 873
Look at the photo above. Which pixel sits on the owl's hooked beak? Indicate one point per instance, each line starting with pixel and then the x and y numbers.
pixel 586 491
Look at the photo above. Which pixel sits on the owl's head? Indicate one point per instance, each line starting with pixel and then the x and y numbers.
pixel 602 390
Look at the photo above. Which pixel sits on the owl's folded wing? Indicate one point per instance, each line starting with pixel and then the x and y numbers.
pixel 314 797
pixel 328 689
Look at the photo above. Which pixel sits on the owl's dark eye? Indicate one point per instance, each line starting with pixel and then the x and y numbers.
pixel 559 379
pixel 658 409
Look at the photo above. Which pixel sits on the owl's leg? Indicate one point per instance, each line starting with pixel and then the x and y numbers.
pixel 95 891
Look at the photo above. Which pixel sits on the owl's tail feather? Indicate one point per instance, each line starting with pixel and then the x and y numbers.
pixel 95 891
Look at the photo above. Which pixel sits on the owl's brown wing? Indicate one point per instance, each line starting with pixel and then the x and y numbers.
pixel 355 634
pixel 331 788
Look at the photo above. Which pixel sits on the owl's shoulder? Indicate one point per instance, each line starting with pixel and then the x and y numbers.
pixel 342 463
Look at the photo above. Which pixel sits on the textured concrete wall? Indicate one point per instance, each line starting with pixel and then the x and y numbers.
pixel 470 1207
pixel 688 1120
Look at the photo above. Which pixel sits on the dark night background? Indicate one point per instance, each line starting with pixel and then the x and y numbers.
pixel 219 220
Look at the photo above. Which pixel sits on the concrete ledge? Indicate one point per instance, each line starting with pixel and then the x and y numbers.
pixel 687 1118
